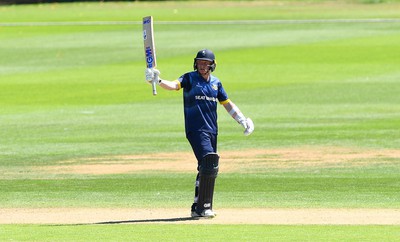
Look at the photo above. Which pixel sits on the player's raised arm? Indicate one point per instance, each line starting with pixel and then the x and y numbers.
pixel 169 85
pixel 235 112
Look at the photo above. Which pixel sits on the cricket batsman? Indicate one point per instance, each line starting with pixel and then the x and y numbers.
pixel 201 93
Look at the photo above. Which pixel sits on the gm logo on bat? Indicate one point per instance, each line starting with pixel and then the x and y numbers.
pixel 149 57
pixel 146 21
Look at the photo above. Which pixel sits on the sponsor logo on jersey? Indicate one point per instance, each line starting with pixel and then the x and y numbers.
pixel 206 98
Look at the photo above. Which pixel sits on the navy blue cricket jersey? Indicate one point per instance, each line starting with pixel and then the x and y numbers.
pixel 200 100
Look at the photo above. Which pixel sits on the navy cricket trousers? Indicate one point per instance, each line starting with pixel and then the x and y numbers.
pixel 202 144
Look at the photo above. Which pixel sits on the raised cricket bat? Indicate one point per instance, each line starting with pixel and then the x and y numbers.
pixel 149 47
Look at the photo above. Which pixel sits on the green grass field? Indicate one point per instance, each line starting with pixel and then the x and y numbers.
pixel 70 90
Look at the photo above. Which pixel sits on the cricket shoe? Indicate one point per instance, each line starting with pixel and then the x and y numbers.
pixel 194 214
pixel 207 213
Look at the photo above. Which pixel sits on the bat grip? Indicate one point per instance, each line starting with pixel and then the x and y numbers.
pixel 153 84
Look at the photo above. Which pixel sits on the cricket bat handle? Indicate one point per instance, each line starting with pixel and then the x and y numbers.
pixel 153 84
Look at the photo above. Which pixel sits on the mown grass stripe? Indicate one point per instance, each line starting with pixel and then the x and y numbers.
pixel 220 22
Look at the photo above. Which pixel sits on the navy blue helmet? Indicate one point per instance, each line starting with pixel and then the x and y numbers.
pixel 206 55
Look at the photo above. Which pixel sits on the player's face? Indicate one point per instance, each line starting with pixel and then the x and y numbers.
pixel 203 66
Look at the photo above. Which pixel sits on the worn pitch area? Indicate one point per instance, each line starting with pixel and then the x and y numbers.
pixel 231 161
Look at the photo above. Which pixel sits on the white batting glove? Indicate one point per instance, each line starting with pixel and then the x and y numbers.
pixel 149 74
pixel 250 127
pixel 156 77
pixel 242 121
pixel 247 123
pixel 152 75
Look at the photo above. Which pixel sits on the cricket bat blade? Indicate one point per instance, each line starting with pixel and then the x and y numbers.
pixel 149 46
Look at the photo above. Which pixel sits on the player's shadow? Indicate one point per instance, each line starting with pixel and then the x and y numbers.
pixel 156 220
pixel 133 221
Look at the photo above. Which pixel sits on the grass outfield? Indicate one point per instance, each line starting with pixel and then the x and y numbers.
pixel 197 233
pixel 73 92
